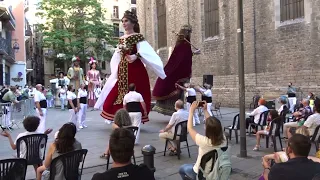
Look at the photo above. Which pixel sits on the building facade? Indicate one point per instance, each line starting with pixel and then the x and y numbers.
pixel 7 55
pixel 281 43
pixel 114 12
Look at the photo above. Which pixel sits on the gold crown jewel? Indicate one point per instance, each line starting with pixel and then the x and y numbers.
pixel 187 27
pixel 131 14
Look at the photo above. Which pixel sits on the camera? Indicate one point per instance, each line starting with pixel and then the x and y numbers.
pixel 201 103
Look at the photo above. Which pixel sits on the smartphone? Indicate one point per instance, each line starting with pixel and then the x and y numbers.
pixel 201 103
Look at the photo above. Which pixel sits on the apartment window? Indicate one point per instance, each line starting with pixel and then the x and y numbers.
pixel 133 2
pixel 134 10
pixel 116 12
pixel 103 65
pixel 116 29
pixel 162 24
pixel 211 15
pixel 291 9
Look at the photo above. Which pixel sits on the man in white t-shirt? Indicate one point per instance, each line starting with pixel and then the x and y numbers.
pixel 41 107
pixel 133 101
pixel 168 131
pixel 206 96
pixel 191 97
pixel 314 120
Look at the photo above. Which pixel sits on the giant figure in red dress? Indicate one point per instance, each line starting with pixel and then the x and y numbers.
pixel 128 65
pixel 178 70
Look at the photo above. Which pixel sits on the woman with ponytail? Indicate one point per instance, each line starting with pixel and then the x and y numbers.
pixel 64 142
pixel 128 65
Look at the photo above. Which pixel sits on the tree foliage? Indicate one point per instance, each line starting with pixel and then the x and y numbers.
pixel 75 27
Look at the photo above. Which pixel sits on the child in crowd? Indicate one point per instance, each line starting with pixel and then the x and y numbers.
pixel 30 124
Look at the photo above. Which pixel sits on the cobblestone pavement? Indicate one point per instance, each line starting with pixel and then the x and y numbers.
pixel 95 138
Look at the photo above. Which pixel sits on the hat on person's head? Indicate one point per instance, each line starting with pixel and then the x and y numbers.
pixel 75 58
pixel 92 60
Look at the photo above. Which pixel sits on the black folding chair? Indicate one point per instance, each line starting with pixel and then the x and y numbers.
pixel 134 130
pixel 274 132
pixel 234 127
pixel 315 136
pixel 13 169
pixel 72 169
pixel 35 145
pixel 179 137
pixel 262 122
pixel 283 116
pixel 216 109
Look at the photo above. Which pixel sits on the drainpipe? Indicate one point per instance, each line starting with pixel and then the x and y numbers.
pixel 255 41
pixel 188 12
pixel 145 18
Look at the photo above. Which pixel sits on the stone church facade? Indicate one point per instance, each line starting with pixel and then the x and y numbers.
pixel 281 43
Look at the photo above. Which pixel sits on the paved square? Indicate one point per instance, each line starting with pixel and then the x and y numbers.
pixel 95 139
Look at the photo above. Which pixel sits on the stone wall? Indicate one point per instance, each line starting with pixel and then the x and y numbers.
pixel 275 52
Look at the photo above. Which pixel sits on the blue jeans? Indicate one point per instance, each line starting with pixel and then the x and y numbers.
pixel 186 172
pixel 62 101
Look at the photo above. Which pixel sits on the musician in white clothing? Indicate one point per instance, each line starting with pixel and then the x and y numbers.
pixel 82 114
pixel 133 102
pixel 206 96
pixel 191 97
pixel 41 107
pixel 73 105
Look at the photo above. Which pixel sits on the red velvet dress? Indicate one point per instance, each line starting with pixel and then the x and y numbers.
pixel 178 69
pixel 128 73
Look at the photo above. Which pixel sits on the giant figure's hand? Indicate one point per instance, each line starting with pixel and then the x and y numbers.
pixel 198 51
pixel 131 58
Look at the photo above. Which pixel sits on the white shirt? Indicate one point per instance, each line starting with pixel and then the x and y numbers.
pixel 132 96
pixel 191 92
pixel 23 148
pixel 257 112
pixel 82 93
pixel 206 92
pixel 205 146
pixel 71 95
pixel 179 116
pixel 281 109
pixel 62 93
pixel 312 122
pixel 38 96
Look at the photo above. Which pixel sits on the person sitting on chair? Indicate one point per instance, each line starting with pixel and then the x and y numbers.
pixel 64 143
pixel 30 124
pixel 168 131
pixel 121 150
pixel 255 114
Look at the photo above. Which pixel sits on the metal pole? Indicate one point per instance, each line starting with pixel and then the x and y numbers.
pixel 243 143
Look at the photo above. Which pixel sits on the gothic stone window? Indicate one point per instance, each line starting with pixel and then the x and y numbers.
pixel 291 9
pixel 211 15
pixel 162 24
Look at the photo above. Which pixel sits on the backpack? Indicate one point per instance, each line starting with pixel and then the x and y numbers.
pixel 222 166
pixel 2 93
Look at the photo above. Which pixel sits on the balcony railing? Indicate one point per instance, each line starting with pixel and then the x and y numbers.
pixel 6 49
pixel 12 19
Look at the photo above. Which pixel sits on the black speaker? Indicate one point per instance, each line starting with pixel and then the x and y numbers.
pixel 271 105
pixel 208 79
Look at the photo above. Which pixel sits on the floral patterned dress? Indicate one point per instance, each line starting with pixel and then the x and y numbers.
pixel 124 73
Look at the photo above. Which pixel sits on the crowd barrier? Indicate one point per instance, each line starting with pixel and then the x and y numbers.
pixel 12 114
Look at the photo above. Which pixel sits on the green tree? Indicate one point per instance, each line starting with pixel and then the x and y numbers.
pixel 75 27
